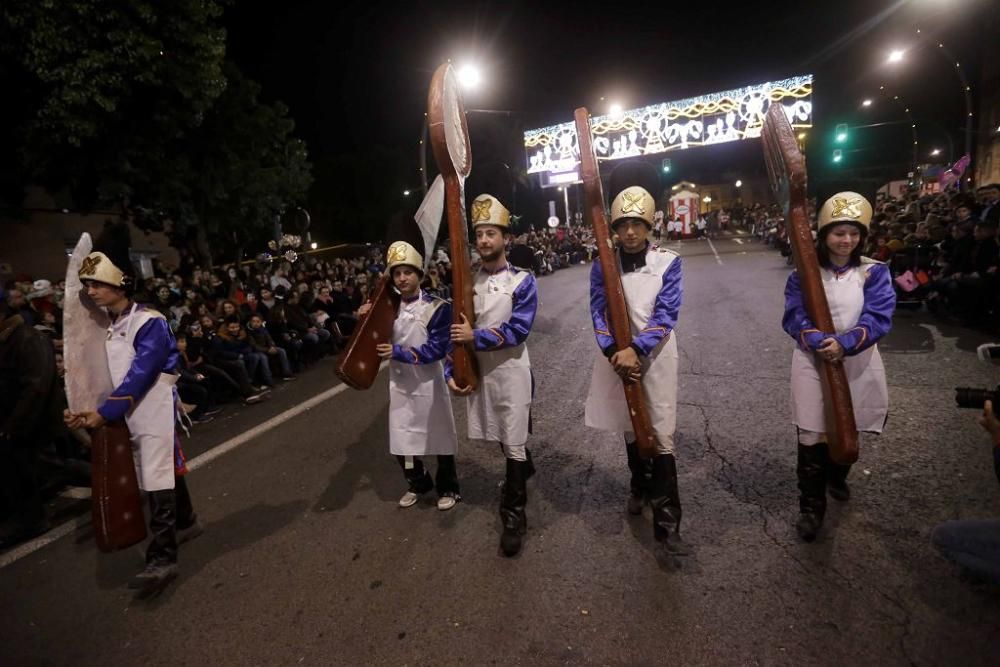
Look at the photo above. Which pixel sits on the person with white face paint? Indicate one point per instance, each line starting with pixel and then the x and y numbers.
pixel 861 297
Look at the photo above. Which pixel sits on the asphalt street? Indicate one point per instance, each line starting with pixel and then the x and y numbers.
pixel 306 558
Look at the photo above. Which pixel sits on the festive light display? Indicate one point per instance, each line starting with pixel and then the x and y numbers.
pixel 731 115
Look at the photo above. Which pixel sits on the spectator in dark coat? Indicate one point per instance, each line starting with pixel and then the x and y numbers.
pixel 261 341
pixel 30 404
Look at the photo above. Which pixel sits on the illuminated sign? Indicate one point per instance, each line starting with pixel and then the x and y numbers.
pixel 731 115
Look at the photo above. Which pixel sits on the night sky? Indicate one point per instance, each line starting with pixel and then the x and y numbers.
pixel 355 74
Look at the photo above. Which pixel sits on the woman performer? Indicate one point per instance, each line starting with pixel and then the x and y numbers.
pixel 861 297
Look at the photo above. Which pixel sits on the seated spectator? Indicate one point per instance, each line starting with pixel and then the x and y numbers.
pixel 194 388
pixel 226 375
pixel 232 343
pixel 262 342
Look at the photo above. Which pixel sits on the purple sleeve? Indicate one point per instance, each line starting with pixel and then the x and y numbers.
pixel 876 315
pixel 514 331
pixel 434 349
pixel 599 309
pixel 154 349
pixel 665 311
pixel 796 322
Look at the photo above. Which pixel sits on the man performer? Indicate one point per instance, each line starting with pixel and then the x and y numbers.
pixel 506 298
pixel 421 422
pixel 143 360
pixel 651 281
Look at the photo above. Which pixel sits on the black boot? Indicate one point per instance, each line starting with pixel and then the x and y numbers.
pixel 836 479
pixel 161 556
pixel 512 502
pixel 530 468
pixel 642 473
pixel 811 471
pixel 666 502
pixel 188 525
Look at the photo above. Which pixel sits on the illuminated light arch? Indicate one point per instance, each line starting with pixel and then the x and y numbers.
pixel 731 115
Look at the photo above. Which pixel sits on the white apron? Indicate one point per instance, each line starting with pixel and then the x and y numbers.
pixel 865 372
pixel 420 417
pixel 499 409
pixel 151 421
pixel 606 408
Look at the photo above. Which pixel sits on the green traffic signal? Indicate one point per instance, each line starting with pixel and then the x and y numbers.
pixel 666 165
pixel 841 134
pixel 838 155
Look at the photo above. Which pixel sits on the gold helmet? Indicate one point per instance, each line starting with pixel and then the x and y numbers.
pixel 845 207
pixel 633 202
pixel 97 267
pixel 487 210
pixel 402 253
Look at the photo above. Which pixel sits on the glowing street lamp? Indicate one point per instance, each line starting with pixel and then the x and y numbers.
pixel 707 199
pixel 739 183
pixel 406 193
pixel 935 152
pixel 469 76
pixel 866 103
pixel 313 245
pixel 616 110
pixel 896 56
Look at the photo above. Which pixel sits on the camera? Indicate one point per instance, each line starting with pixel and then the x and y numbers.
pixel 971 397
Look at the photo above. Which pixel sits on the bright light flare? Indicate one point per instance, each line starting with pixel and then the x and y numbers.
pixel 313 245
pixel 616 110
pixel 896 56
pixel 469 76
pixel 866 103
pixel 936 151
pixel 406 193
pixel 739 183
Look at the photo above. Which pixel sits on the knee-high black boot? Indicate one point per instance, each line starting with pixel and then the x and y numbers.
pixel 666 502
pixel 811 471
pixel 836 479
pixel 639 484
pixel 161 556
pixel 512 503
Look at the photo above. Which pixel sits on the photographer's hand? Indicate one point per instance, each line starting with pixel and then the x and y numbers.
pixel 988 420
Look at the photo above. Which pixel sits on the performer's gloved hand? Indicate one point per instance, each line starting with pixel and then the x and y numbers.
pixel 384 350
pixel 814 340
pixel 831 350
pixel 461 333
pixel 625 362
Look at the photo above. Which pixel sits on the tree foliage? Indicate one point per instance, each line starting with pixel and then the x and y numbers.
pixel 134 100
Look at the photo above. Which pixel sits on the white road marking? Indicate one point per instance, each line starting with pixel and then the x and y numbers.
pixel 715 252
pixel 70 527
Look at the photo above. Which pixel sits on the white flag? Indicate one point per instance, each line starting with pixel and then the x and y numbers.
pixel 428 217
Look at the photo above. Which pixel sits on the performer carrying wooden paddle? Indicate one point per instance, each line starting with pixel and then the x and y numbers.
pixel 142 358
pixel 861 299
pixel 421 422
pixel 506 298
pixel 651 282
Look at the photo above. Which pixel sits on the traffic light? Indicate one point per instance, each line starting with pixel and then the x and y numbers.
pixel 838 155
pixel 666 165
pixel 841 134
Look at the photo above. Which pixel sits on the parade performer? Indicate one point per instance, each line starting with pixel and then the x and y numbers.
pixel 861 298
pixel 505 300
pixel 651 281
pixel 421 422
pixel 142 359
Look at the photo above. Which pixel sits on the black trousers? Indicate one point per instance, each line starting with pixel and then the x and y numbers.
pixel 19 483
pixel 446 479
